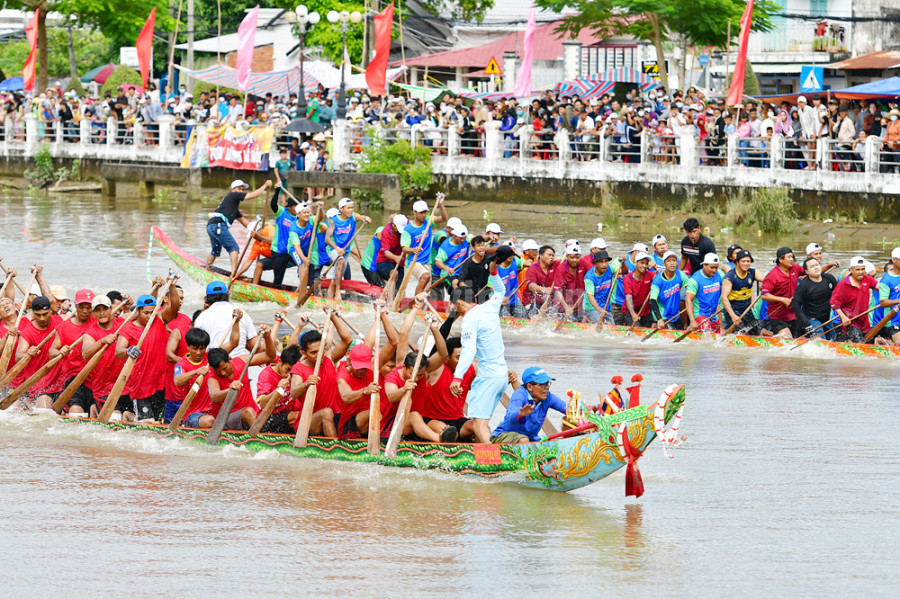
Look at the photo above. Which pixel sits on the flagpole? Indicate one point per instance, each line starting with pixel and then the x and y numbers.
pixel 218 54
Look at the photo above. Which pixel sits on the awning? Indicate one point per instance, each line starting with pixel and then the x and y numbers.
pixel 885 88
pixel 768 68
pixel 12 84
pixel 229 42
pixel 877 61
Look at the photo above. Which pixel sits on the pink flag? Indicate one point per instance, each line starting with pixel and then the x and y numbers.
pixel 523 81
pixel 246 38
pixel 31 33
pixel 375 72
pixel 736 91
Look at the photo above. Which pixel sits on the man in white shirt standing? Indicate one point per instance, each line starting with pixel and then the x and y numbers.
pixel 216 319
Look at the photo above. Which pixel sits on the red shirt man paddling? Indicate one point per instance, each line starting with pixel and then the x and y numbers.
pixel 851 298
pixel 778 289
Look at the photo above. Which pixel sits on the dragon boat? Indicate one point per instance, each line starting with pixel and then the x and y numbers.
pixel 561 464
pixel 244 290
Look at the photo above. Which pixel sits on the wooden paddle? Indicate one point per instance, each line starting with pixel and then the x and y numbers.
pixel 565 318
pixel 310 398
pixel 612 289
pixel 9 278
pixel 195 386
pixel 830 321
pixel 19 366
pixel 656 330
pixel 428 289
pixel 86 370
pixel 741 317
pixel 11 340
pixel 40 373
pixel 268 403
pixel 407 275
pixel 240 261
pixel 350 326
pixel 877 328
pixel 690 330
pixel 635 325
pixel 15 281
pixel 113 398
pixel 373 441
pixel 301 299
pixel 228 403
pixel 393 443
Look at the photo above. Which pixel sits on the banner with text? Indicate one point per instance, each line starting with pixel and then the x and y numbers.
pixel 226 146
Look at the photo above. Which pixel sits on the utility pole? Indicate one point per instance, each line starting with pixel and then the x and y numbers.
pixel 727 56
pixel 190 43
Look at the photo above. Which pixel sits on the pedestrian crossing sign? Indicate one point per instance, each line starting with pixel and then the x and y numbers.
pixel 493 68
pixel 811 79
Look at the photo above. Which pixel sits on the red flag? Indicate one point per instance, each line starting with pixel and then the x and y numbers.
pixel 736 91
pixel 376 72
pixel 144 46
pixel 28 70
pixel 634 483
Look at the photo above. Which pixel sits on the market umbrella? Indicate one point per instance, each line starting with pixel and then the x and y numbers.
pixel 12 84
pixel 99 74
pixel 304 126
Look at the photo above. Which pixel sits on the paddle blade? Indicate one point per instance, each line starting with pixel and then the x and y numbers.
pixel 302 435
pixel 219 425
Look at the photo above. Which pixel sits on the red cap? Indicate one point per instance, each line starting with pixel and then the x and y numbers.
pixel 361 357
pixel 84 296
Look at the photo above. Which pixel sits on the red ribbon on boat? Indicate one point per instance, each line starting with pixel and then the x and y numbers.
pixel 634 484
pixel 634 393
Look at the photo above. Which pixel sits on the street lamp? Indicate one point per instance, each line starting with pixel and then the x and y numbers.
pixel 305 20
pixel 333 17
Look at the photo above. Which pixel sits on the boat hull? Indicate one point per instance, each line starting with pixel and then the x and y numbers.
pixel 562 464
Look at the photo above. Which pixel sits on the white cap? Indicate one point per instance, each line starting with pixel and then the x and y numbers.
pixel 598 243
pixel 344 202
pixel 420 206
pixel 657 238
pixel 531 244
pixel 870 268
pixel 857 261
pixel 238 183
pixel 400 222
pixel 812 248
pixel 304 145
pixel 641 256
pixel 669 254
pixel 895 253
pixel 802 99
pixel 640 247
pixel 460 231
pixel 302 206
pixel 711 258
pixel 453 222
pixel 573 248
pixel 332 212
pixel 493 228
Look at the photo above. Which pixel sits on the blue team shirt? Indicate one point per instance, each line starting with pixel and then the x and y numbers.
pixel 707 292
pixel 599 285
pixel 619 294
pixel 302 236
pixel 412 236
pixel 889 288
pixel 668 293
pixel 343 231
pixel 283 221
pixel 529 426
pixel 510 276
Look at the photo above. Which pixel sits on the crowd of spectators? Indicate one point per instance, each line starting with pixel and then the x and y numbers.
pixel 621 122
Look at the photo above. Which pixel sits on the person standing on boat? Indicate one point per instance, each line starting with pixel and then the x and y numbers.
pixel 482 339
pixel 224 215
pixel 814 250
pixel 285 217
pixel 694 247
pixel 216 319
pixel 417 239
pixel 528 409
pixel 778 289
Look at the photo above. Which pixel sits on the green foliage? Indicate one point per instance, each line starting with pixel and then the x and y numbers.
pixel 92 49
pixel 43 172
pixel 768 209
pixel 751 83
pixel 413 164
pixel 122 74
pixel 702 22
pixel 75 85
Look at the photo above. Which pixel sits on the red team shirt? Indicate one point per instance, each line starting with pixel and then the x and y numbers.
pixel 443 405
pixel 34 336
pixel 181 323
pixel 103 376
pixel 639 292
pixel 149 374
pixel 350 410
pixel 266 383
pixel 71 365
pixel 201 402
pixel 245 395
pixel 782 285
pixel 534 274
pixel 327 395
pixel 389 408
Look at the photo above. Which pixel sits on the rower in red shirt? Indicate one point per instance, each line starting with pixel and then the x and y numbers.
pixel 568 281
pixel 176 347
pixel 778 289
pixel 228 373
pixel 850 299
pixel 328 404
pixel 636 285
pixel 31 333
pixel 539 277
pixel 102 378
pixel 587 261
pixel 356 385
pixel 390 252
pixel 268 381
pixel 147 383
pixel 70 331
pixel 444 406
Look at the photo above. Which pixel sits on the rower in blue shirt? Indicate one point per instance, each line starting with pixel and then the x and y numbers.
pixel 528 409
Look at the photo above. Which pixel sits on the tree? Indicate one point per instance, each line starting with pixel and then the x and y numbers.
pixel 751 83
pixel 701 22
pixel 123 74
pixel 93 49
pixel 121 25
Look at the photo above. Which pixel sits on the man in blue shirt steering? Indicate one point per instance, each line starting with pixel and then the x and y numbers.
pixel 528 409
